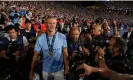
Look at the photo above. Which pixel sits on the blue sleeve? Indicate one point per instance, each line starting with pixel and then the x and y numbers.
pixel 64 42
pixel 37 46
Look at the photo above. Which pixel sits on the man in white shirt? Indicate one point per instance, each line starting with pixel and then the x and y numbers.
pixel 128 36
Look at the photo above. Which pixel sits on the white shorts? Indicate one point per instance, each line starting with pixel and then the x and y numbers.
pixel 56 75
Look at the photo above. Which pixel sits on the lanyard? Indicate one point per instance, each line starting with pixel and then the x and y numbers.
pixel 50 46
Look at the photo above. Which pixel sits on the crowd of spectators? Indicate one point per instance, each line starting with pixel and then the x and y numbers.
pixel 27 18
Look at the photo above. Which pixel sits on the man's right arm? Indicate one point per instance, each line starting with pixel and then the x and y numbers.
pixel 107 73
pixel 100 56
pixel 34 59
pixel 104 71
pixel 37 50
pixel 112 75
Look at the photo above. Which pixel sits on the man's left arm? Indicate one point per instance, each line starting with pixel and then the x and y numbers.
pixel 65 56
pixel 66 62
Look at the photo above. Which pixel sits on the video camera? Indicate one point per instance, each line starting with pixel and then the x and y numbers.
pixel 13 47
pixel 100 43
pixel 75 62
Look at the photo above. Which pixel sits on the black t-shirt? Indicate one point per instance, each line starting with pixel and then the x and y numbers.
pixel 119 64
pixel 28 35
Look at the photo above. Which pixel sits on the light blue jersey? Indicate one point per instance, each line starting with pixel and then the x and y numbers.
pixel 52 63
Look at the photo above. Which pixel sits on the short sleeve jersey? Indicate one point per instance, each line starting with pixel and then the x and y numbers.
pixel 52 63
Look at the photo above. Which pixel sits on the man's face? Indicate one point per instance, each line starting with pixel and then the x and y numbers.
pixel 96 31
pixel 106 29
pixel 12 34
pixel 28 26
pixel 74 35
pixel 51 24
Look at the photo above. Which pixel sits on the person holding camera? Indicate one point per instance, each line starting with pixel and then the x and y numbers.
pixel 74 47
pixel 74 43
pixel 115 56
pixel 93 40
pixel 103 68
pixel 116 46
pixel 16 45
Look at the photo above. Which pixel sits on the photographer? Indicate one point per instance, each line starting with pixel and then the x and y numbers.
pixel 115 58
pixel 76 55
pixel 118 46
pixel 16 45
pixel 73 41
pixel 74 47
pixel 93 40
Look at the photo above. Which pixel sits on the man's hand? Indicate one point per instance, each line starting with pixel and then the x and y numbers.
pixel 74 54
pixel 101 51
pixel 89 37
pixel 66 71
pixel 66 62
pixel 86 51
pixel 88 69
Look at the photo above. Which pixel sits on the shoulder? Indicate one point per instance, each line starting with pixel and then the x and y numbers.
pixel 24 38
pixel 7 37
pixel 60 35
pixel 41 37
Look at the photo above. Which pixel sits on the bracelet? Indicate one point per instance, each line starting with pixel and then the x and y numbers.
pixel 100 57
pixel 99 70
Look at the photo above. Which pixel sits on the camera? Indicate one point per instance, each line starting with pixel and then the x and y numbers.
pixel 100 43
pixel 14 46
pixel 75 62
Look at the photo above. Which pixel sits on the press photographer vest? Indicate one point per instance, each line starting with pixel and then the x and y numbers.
pixel 16 45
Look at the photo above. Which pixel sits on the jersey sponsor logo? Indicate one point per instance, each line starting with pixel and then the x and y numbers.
pixel 54 50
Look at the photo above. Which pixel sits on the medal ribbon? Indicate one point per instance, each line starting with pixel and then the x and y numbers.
pixel 50 46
